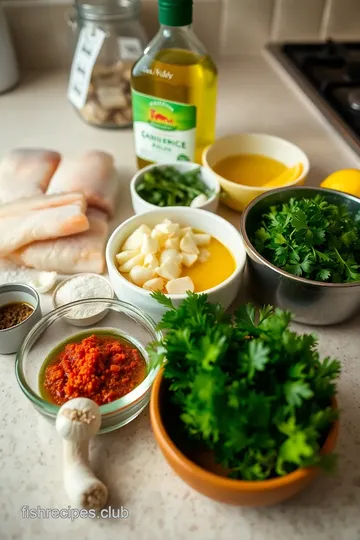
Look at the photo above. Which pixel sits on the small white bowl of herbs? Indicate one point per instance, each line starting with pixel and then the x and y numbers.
pixel 174 184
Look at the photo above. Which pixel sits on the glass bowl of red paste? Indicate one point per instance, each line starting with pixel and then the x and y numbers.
pixel 106 361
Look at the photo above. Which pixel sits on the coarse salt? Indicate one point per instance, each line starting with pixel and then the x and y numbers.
pixel 83 287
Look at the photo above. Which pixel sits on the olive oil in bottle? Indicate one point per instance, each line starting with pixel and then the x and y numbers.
pixel 174 89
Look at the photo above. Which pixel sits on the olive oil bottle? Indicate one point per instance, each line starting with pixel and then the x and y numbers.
pixel 174 89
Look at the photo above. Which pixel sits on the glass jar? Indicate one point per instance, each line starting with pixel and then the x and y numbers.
pixel 110 39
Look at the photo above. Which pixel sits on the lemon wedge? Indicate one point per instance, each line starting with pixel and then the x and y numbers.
pixel 346 180
pixel 287 177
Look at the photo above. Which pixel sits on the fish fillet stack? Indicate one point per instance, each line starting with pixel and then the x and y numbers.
pixel 54 212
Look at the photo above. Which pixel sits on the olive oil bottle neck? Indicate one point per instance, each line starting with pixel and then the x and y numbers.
pixel 175 12
pixel 177 37
pixel 173 30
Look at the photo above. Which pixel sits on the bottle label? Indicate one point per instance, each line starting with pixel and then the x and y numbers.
pixel 164 130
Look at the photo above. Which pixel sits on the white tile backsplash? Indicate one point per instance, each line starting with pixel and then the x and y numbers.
pixel 297 20
pixel 344 20
pixel 246 26
pixel 228 28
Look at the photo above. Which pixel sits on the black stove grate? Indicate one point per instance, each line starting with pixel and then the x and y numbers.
pixel 333 69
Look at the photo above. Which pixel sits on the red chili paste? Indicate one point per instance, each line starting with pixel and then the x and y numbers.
pixel 101 368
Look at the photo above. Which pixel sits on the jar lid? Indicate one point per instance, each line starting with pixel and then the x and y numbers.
pixel 104 10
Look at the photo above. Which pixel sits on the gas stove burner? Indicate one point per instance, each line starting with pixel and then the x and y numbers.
pixel 354 100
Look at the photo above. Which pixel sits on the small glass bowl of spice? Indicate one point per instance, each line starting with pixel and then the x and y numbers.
pixel 82 287
pixel 19 311
pixel 108 361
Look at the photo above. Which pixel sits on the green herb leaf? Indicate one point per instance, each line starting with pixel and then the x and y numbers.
pixel 311 238
pixel 162 299
pixel 247 387
pixel 296 448
pixel 299 220
pixel 166 186
pixel 257 357
pixel 296 392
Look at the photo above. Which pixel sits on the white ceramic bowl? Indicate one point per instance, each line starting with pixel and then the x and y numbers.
pixel 207 222
pixel 98 311
pixel 141 206
pixel 238 196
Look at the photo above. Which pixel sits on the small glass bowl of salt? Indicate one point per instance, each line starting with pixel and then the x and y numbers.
pixel 80 287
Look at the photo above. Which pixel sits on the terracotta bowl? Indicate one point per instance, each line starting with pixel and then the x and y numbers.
pixel 198 470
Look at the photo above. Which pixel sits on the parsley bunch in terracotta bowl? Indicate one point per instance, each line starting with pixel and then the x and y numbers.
pixel 244 410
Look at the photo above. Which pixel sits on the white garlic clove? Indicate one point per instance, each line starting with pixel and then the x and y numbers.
pixel 168 270
pixel 155 284
pixel 124 256
pixel 160 237
pixel 149 245
pixel 140 274
pixel 204 255
pixel 134 241
pixel 188 259
pixel 199 201
pixel 171 254
pixel 184 230
pixel 172 243
pixel 171 229
pixel 202 239
pixel 134 261
pixel 151 261
pixel 188 244
pixel 180 285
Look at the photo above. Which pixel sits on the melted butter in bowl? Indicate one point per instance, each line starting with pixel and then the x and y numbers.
pixel 209 264
pixel 249 164
pixel 249 169
pixel 215 270
pixel 187 234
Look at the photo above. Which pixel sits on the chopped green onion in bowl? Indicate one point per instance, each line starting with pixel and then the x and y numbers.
pixel 166 186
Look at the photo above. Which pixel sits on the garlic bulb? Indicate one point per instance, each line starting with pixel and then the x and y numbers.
pixel 77 421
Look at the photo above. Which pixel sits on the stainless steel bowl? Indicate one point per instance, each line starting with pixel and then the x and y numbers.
pixel 311 302
pixel 12 338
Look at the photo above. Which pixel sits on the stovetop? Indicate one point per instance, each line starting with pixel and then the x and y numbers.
pixel 329 74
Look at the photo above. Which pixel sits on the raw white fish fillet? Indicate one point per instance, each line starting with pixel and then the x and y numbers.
pixel 21 229
pixel 79 253
pixel 40 202
pixel 26 172
pixel 93 174
pixel 41 281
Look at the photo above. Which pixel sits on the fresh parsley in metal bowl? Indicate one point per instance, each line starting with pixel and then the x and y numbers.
pixel 303 247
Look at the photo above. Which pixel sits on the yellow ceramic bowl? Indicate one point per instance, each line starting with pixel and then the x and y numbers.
pixel 238 196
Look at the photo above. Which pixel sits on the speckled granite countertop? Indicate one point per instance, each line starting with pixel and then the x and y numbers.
pixel 161 507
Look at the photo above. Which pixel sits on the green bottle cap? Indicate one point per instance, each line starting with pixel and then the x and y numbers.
pixel 175 12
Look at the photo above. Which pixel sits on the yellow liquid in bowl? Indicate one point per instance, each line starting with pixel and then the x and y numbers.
pixel 219 267
pixel 252 170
